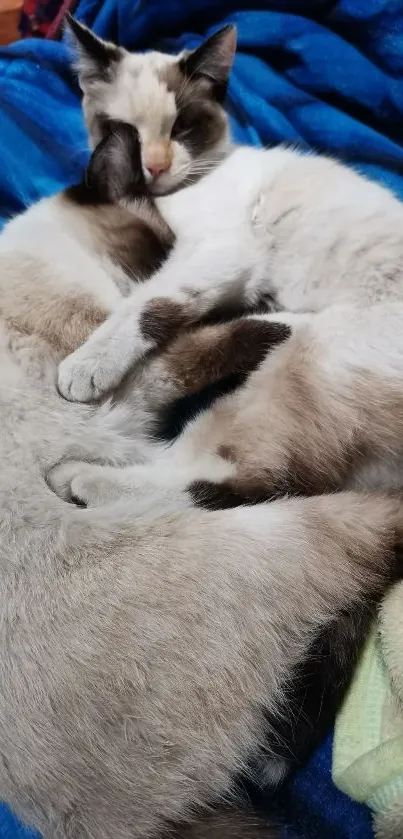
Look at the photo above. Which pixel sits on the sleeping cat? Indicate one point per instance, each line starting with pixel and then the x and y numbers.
pixel 174 103
pixel 148 647
pixel 324 410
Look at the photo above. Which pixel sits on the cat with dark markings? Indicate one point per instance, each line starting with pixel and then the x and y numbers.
pixel 323 411
pixel 148 645
pixel 174 103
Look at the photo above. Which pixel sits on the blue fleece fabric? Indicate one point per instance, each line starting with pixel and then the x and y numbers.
pixel 326 74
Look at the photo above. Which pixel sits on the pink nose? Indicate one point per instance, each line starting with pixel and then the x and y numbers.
pixel 156 169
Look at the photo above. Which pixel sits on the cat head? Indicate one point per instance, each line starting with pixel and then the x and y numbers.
pixel 174 103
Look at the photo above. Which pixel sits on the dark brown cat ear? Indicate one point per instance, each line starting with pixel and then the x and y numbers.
pixel 97 59
pixel 214 58
pixel 115 171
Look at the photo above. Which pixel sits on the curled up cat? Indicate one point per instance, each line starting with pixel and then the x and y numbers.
pixel 147 645
pixel 321 407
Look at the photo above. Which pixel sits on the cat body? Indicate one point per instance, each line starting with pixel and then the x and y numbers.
pixel 321 407
pixel 147 646
pixel 145 643
pixel 327 245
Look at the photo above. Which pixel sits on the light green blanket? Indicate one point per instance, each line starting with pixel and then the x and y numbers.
pixel 368 742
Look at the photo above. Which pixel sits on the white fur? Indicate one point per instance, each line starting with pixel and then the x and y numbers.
pixel 305 229
pixel 142 643
pixel 138 95
pixel 51 234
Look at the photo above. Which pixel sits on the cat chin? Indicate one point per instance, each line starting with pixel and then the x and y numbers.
pixel 166 186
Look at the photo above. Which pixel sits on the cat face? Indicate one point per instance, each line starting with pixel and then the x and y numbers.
pixel 174 103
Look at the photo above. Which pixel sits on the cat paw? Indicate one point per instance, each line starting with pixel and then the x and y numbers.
pixel 83 484
pixel 86 378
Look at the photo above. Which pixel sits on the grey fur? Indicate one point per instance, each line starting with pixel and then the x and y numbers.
pixel 142 642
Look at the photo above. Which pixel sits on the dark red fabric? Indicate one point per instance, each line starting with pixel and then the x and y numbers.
pixel 43 18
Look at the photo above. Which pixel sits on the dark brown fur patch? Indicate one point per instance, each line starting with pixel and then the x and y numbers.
pixel 138 242
pixel 174 77
pixel 103 55
pixel 139 239
pixel 201 122
pixel 226 495
pixel 227 453
pixel 161 320
pixel 314 694
pixel 138 246
pixel 296 479
pixel 114 171
pixel 210 353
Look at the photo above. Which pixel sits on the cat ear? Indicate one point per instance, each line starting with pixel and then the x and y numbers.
pixel 214 58
pixel 115 171
pixel 96 58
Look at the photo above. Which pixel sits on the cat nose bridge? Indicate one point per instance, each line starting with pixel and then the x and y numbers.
pixel 158 156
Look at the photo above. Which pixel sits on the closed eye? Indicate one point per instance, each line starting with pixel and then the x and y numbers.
pixel 181 128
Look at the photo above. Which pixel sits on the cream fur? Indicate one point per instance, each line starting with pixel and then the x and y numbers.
pixel 141 643
pixel 320 239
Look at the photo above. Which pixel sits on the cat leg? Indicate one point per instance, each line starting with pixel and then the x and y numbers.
pixel 205 355
pixel 305 419
pixel 327 401
pixel 93 484
pixel 199 463
pixel 187 288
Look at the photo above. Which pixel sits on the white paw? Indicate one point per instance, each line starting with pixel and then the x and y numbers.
pixel 84 484
pixel 86 378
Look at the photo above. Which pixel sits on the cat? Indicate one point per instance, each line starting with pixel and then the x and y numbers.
pixel 321 407
pixel 300 189
pixel 114 84
pixel 175 103
pixel 324 410
pixel 89 206
pixel 148 646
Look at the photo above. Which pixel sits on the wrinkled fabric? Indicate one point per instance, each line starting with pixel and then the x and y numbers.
pixel 323 74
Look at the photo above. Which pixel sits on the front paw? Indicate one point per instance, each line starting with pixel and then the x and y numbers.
pixel 83 484
pixel 86 378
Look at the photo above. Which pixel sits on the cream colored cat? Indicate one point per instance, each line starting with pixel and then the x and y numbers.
pixel 325 409
pixel 307 420
pixel 146 648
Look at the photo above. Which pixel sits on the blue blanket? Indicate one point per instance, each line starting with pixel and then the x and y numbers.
pixel 326 74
